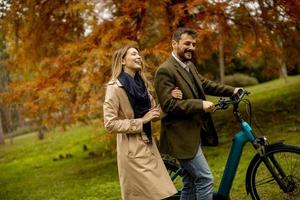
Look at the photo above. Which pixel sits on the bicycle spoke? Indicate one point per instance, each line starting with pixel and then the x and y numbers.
pixel 266 180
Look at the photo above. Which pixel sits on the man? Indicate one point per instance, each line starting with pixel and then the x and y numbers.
pixel 188 117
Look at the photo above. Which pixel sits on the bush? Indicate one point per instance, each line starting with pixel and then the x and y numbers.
pixel 240 80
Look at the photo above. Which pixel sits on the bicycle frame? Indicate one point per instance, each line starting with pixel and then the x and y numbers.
pixel 238 143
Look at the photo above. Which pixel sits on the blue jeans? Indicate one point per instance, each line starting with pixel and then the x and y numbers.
pixel 197 178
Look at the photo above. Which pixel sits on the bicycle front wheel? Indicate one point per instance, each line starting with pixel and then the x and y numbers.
pixel 275 176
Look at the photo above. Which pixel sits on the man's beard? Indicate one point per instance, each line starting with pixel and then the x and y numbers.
pixel 186 55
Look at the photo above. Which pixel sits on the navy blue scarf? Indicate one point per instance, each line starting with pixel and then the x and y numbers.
pixel 138 97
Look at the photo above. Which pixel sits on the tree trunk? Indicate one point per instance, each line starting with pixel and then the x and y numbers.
pixel 5 117
pixel 5 110
pixel 41 134
pixel 281 60
pixel 283 71
pixel 221 56
pixel 2 140
pixel 42 129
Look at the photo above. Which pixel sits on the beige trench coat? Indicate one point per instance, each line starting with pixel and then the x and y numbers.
pixel 142 174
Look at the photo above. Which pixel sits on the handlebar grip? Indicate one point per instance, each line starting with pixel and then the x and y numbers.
pixel 239 94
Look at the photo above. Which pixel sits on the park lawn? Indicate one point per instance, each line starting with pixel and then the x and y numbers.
pixel 28 172
pixel 27 169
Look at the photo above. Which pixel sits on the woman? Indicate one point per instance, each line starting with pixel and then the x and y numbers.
pixel 128 111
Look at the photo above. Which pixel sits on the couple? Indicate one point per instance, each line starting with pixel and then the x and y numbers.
pixel 129 109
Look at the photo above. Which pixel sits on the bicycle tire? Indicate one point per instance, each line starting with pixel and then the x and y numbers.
pixel 261 184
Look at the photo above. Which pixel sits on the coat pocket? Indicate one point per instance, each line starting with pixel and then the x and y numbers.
pixel 137 148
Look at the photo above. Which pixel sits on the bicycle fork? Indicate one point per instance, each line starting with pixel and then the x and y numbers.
pixel 273 166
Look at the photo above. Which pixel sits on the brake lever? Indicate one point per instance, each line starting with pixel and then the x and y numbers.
pixel 215 109
pixel 222 105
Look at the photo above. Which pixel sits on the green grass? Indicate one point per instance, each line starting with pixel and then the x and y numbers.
pixel 27 169
pixel 28 172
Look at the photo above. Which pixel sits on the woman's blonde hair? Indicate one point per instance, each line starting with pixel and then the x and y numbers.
pixel 117 66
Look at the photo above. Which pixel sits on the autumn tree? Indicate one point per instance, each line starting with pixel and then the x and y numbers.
pixel 35 30
pixel 272 33
pixel 60 74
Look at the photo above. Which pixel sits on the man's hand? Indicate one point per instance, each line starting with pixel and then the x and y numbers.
pixel 237 89
pixel 208 106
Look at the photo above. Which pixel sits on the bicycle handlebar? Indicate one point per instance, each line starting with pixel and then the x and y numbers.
pixel 233 100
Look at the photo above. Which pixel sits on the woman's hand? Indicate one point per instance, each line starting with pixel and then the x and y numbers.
pixel 151 115
pixel 176 93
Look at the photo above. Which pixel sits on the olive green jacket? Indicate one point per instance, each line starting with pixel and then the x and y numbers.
pixel 185 119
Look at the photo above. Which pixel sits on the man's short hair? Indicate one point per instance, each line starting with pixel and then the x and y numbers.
pixel 177 34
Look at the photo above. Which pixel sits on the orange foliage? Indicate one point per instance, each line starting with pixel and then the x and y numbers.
pixel 292 8
pixel 60 73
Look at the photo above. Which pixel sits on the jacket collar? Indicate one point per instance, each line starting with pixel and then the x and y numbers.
pixel 116 81
pixel 184 74
pixel 182 64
